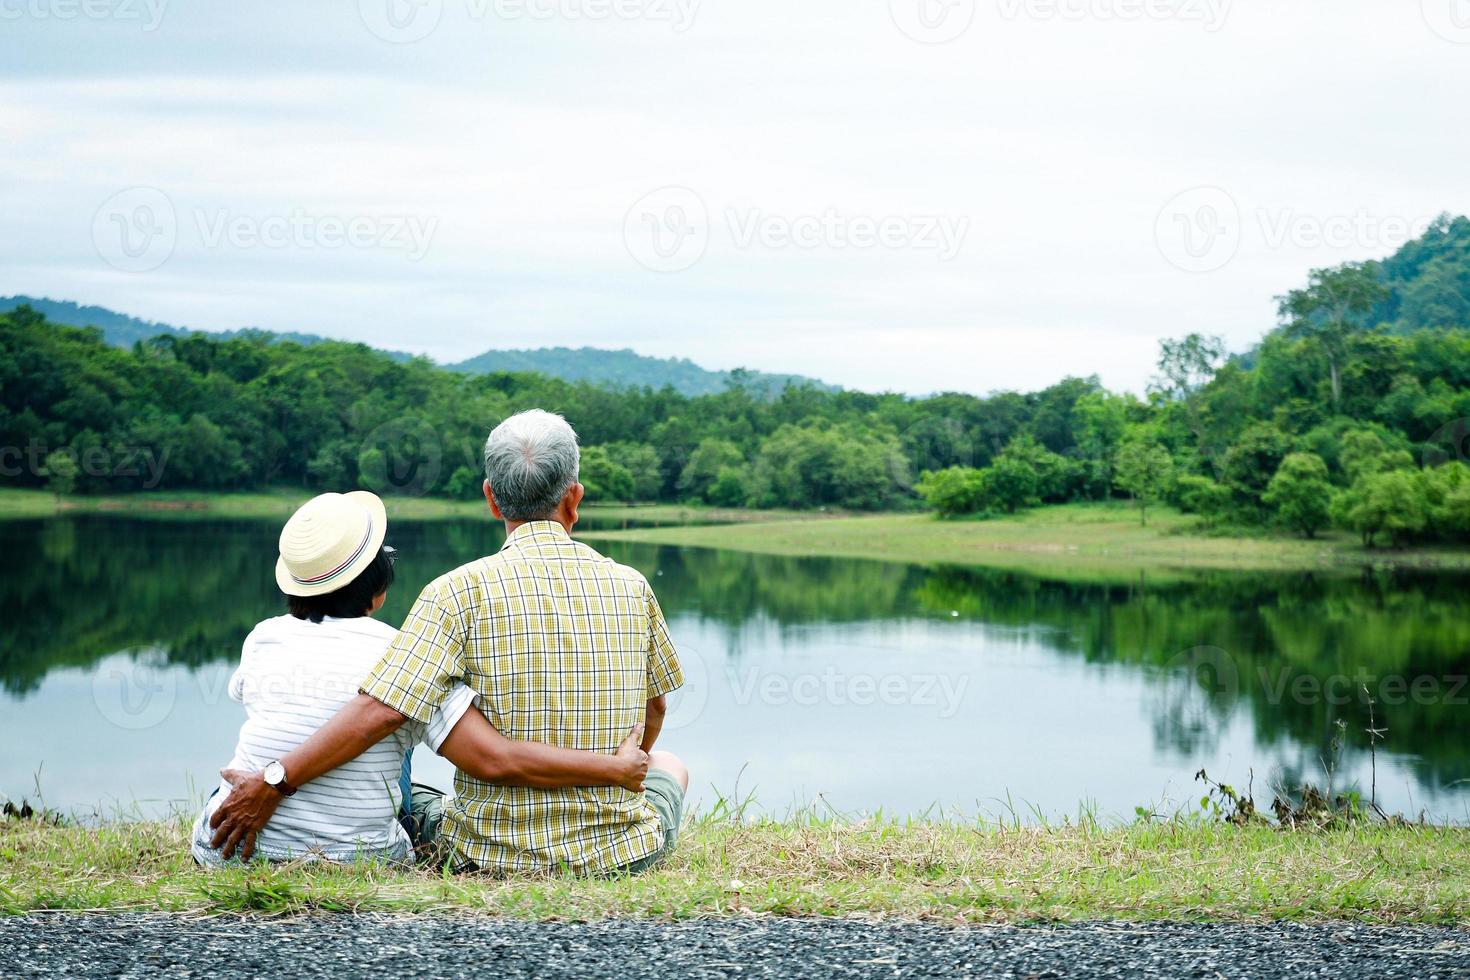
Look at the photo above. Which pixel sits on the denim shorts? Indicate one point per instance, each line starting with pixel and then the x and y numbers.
pixel 426 819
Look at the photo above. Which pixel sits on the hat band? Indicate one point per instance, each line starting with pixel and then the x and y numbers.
pixel 319 579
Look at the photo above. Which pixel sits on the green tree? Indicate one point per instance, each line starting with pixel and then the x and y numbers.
pixel 1249 464
pixel 1195 494
pixel 709 459
pixel 642 463
pixel 730 489
pixel 60 471
pixel 1300 494
pixel 465 483
pixel 1332 310
pixel 1011 482
pixel 605 479
pixel 1146 472
pixel 1392 501
pixel 954 490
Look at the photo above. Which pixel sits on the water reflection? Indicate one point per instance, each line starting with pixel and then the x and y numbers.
pixel 832 676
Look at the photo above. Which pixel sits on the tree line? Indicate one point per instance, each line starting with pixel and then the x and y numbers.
pixel 1351 412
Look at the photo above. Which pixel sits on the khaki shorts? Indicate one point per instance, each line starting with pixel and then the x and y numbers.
pixel 662 789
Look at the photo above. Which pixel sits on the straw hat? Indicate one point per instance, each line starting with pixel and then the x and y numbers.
pixel 329 541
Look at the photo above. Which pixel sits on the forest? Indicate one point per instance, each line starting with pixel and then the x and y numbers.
pixel 1352 412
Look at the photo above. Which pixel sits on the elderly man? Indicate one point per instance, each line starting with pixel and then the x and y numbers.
pixel 563 647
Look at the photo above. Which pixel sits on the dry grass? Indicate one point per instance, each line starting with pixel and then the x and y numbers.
pixel 1180 869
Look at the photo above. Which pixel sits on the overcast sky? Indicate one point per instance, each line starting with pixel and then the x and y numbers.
pixel 912 195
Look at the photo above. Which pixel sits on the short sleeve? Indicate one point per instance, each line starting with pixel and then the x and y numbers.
pixel 236 690
pixel 460 700
pixel 423 661
pixel 664 672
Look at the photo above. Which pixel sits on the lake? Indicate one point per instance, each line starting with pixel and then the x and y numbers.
pixel 853 686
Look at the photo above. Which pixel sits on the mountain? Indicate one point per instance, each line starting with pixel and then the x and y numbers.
pixel 122 330
pixel 627 369
pixel 611 368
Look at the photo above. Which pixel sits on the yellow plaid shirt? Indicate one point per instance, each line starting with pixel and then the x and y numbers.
pixel 564 647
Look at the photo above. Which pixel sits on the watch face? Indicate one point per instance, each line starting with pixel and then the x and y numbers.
pixel 275 774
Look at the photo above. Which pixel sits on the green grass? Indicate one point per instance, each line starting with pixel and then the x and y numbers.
pixel 1184 869
pixel 279 504
pixel 1076 540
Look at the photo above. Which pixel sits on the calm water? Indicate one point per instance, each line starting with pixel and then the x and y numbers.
pixel 858 685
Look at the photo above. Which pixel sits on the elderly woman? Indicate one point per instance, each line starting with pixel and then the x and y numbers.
pixel 298 669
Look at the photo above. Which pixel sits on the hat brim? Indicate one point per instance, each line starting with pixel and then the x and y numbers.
pixel 373 504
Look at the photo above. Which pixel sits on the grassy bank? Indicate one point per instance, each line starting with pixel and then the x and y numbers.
pixel 1174 870
pixel 278 505
pixel 1071 540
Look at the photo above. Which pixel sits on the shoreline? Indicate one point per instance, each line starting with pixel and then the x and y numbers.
pixel 1096 541
pixel 1071 541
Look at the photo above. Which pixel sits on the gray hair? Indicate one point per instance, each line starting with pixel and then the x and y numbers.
pixel 531 462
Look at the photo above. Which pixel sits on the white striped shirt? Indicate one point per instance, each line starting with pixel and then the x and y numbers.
pixel 293 676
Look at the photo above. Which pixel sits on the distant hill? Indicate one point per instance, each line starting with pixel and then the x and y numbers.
pixel 626 369
pixel 613 368
pixel 122 330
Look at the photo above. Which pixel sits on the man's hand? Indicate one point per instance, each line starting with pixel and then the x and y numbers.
pixel 634 760
pixel 243 813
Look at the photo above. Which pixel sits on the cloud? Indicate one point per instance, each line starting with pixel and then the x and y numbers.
pixel 526 143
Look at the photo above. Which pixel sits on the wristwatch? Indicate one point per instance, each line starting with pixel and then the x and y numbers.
pixel 275 777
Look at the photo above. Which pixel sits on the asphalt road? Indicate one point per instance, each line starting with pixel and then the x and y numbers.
pixel 71 945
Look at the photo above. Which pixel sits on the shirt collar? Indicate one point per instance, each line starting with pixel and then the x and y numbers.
pixel 534 534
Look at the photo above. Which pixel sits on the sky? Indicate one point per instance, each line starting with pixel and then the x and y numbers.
pixel 905 195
